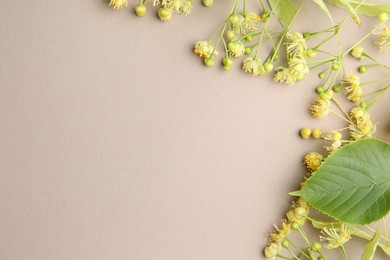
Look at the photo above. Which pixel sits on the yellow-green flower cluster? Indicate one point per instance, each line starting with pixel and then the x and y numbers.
pixel 361 126
pixel 297 68
pixel 312 161
pixel 384 39
pixel 250 22
pixel 298 213
pixel 204 49
pixel 236 48
pixel 296 216
pixel 352 87
pixel 182 7
pixel 320 108
pixel 336 237
pixel 284 75
pixel 296 44
pixel 254 66
pixel 334 138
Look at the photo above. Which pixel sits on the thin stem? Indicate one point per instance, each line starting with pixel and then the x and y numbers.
pixel 344 252
pixel 298 248
pixel 292 253
pixel 261 38
pixel 373 81
pixel 371 102
pixel 341 108
pixel 335 113
pixel 295 15
pixel 376 61
pixel 362 39
pixel 386 232
pixel 262 6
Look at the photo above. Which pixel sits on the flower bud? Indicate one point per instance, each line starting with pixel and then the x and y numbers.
pixel 305 132
pixel 271 251
pixel 316 247
pixel 230 34
pixel 362 69
pixel 209 62
pixel 227 61
pixel 311 53
pixel 208 3
pixel 140 10
pixel 357 52
pixel 383 17
pixel 316 133
pixel 165 14
pixel 268 66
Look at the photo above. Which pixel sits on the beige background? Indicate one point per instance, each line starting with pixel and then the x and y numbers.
pixel 117 143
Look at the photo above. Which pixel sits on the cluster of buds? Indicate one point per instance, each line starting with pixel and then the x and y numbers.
pixel 166 7
pixel 278 239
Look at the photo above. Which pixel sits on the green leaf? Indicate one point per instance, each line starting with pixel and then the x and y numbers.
pixel 323 7
pixel 353 183
pixel 370 248
pixel 370 9
pixel 283 9
pixel 345 4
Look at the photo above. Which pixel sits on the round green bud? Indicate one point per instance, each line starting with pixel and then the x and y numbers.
pixel 305 132
pixel 230 34
pixel 306 35
pixel 231 45
pixel 208 3
pixel 330 93
pixel 335 66
pixel 383 17
pixel 321 75
pixel 316 247
pixel 316 133
pixel 362 69
pixel 299 212
pixel 295 225
pixel 311 53
pixel 249 38
pixel 285 244
pixel 337 88
pixel 234 18
pixel 363 104
pixel 324 96
pixel 140 10
pixel 357 52
pixel 165 14
pixel 227 61
pixel 268 66
pixel 277 56
pixel 321 258
pixel 209 61
pixel 227 67
pixel 320 89
pixel 265 16
pixel 248 50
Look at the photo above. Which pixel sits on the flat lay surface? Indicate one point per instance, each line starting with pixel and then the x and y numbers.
pixel 118 143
